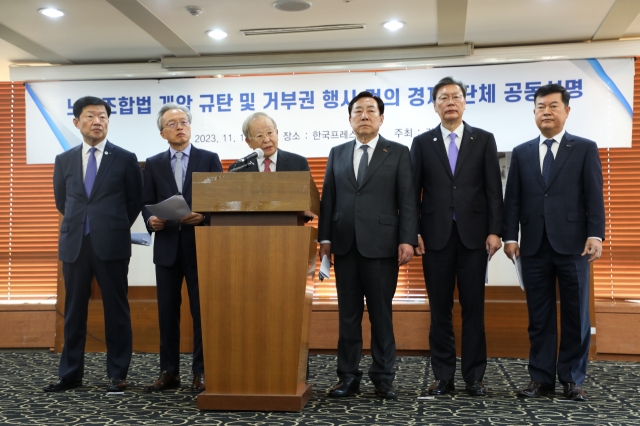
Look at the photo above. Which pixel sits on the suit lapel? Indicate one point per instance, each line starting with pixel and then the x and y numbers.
pixel 194 158
pixel 383 147
pixel 108 158
pixel 165 170
pixel 348 159
pixel 76 164
pixel 466 145
pixel 564 150
pixel 281 165
pixel 436 141
pixel 533 154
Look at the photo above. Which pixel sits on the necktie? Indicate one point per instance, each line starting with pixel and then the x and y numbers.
pixel 267 165
pixel 364 164
pixel 453 153
pixel 547 163
pixel 89 180
pixel 177 172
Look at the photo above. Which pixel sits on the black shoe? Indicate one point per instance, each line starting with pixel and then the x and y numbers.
pixel 442 387
pixel 574 392
pixel 62 385
pixel 345 387
pixel 165 381
pixel 385 390
pixel 198 383
pixel 536 389
pixel 117 385
pixel 475 389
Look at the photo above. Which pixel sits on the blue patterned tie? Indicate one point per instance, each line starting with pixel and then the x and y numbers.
pixel 547 164
pixel 89 180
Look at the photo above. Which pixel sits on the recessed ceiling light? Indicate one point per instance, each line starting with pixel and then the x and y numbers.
pixel 217 34
pixel 292 5
pixel 393 25
pixel 51 12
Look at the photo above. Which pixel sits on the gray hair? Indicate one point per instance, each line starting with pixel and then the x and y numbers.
pixel 245 125
pixel 169 106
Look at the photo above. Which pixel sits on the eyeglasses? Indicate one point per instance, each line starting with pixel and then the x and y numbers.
pixel 446 99
pixel 173 124
pixel 261 137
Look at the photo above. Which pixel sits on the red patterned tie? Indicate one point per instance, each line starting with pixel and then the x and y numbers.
pixel 267 165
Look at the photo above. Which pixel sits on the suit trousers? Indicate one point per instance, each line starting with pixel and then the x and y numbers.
pixel 112 279
pixel 441 268
pixel 376 279
pixel 169 290
pixel 539 273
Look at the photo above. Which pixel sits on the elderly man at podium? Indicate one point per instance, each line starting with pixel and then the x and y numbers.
pixel 261 131
pixel 368 218
pixel 174 253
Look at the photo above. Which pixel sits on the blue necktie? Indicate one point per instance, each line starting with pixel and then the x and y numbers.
pixel 547 163
pixel 364 164
pixel 89 180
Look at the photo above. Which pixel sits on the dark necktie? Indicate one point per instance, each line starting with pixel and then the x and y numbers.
pixel 364 164
pixel 547 163
pixel 89 180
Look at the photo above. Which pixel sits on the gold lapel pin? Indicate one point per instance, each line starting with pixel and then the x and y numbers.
pixel 435 139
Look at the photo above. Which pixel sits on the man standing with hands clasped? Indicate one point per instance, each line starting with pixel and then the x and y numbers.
pixel 368 221
pixel 174 249
pixel 456 175
pixel 554 194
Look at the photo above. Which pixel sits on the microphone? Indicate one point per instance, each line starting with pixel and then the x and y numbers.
pixel 257 153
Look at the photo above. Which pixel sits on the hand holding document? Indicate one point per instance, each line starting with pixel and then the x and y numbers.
pixel 173 208
pixel 519 271
pixel 486 272
pixel 325 266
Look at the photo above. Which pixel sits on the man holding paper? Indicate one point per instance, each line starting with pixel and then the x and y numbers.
pixel 554 195
pixel 166 175
pixel 368 222
pixel 456 176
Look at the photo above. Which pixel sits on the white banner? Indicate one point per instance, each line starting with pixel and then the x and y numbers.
pixel 311 109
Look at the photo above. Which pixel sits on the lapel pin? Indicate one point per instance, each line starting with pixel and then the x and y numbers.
pixel 106 153
pixel 568 146
pixel 471 137
pixel 435 139
pixel 384 149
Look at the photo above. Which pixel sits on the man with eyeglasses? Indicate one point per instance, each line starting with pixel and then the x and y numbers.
pixel 261 131
pixel 174 252
pixel 456 177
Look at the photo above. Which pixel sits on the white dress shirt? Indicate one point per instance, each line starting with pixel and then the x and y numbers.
pixel 272 166
pixel 184 161
pixel 357 153
pixel 446 138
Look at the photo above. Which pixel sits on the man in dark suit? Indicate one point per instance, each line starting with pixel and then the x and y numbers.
pixel 456 176
pixel 554 193
pixel 98 188
pixel 261 131
pixel 174 249
pixel 368 221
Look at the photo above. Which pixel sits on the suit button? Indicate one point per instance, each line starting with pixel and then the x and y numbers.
pixel 546 195
pixel 541 215
pixel 454 187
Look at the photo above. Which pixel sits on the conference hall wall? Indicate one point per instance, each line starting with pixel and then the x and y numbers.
pixel 312 117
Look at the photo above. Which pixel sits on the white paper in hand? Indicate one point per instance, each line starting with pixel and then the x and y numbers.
pixel 519 272
pixel 325 267
pixel 173 208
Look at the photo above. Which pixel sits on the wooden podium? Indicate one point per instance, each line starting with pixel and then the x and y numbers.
pixel 256 264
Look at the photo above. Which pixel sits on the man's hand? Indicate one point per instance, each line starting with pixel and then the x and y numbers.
pixel 594 248
pixel 492 245
pixel 157 224
pixel 192 219
pixel 405 253
pixel 512 250
pixel 419 251
pixel 325 249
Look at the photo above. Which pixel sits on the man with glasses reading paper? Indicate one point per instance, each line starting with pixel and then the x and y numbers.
pixel 174 252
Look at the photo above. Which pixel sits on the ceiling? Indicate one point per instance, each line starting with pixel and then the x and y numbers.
pixel 139 31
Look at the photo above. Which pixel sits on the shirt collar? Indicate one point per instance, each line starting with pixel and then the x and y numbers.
pixel 458 131
pixel 99 147
pixel 186 151
pixel 273 158
pixel 372 143
pixel 556 138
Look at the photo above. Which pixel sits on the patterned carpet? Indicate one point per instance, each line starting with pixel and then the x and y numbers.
pixel 612 388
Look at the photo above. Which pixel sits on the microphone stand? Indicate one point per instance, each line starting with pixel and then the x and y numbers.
pixel 241 166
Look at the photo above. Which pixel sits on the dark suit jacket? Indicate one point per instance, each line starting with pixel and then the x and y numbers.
pixel 474 191
pixel 160 184
pixel 381 214
pixel 287 162
pixel 571 208
pixel 113 206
